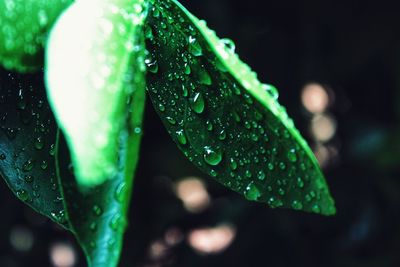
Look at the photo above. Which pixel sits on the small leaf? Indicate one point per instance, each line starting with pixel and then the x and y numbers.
pixel 24 26
pixel 223 119
pixel 91 75
pixel 27 144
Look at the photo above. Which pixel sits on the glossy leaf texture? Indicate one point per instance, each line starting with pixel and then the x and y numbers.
pixel 27 144
pixel 98 216
pixel 95 77
pixel 90 77
pixel 24 25
pixel 223 119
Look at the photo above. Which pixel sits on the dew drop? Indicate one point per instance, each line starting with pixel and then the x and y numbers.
pixel 229 44
pixel 194 47
pixel 300 182
pixel 274 202
pixel 233 164
pixel 28 166
pixel 211 156
pixel 261 175
pixel 97 210
pixel 197 103
pixel 297 205
pixel 120 192
pixel 39 144
pixel 181 136
pixel 22 194
pixel 28 178
pixel 291 155
pixel 252 192
pixel 272 91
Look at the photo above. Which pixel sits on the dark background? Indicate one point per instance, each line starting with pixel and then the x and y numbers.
pixel 351 49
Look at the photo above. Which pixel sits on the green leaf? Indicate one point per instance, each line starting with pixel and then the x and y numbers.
pixel 24 27
pixel 98 217
pixel 95 80
pixel 27 144
pixel 92 68
pixel 224 120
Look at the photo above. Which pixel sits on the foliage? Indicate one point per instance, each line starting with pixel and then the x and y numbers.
pixel 224 120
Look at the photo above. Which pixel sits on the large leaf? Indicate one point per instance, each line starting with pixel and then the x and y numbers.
pixel 95 76
pixel 89 74
pixel 223 119
pixel 24 27
pixel 27 144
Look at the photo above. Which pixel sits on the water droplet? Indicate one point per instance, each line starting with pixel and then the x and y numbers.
pixel 300 182
pixel 197 103
pixel 274 202
pixel 171 120
pixel 115 222
pixel 204 77
pixel 161 107
pixel 120 192
pixel 28 178
pixel 316 208
pixel 297 205
pixel 222 135
pixel 272 91
pixel 282 166
pixel 181 136
pixel 152 65
pixel 97 210
pixel 28 166
pixel 291 155
pixel 194 47
pixel 39 144
pixel 93 226
pixel 252 192
pixel 233 164
pixel 211 156
pixel 22 194
pixel 43 165
pixel 270 166
pixel 229 44
pixel 261 175
pixel 52 150
pixel 58 216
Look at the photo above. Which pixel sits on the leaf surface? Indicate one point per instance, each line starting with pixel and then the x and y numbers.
pixel 24 28
pixel 27 144
pixel 224 120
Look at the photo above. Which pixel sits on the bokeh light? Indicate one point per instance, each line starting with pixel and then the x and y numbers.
pixel 315 98
pixel 212 240
pixel 62 255
pixel 323 127
pixel 21 238
pixel 193 194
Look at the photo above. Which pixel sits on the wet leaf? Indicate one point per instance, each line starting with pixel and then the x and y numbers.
pixel 92 69
pixel 27 144
pixel 224 120
pixel 98 216
pixel 95 77
pixel 23 31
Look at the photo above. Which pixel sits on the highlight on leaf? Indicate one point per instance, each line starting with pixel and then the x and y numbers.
pixel 90 75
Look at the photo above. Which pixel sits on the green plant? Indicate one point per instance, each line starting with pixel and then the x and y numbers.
pixel 223 119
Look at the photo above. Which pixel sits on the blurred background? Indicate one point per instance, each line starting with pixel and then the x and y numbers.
pixel 337 67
